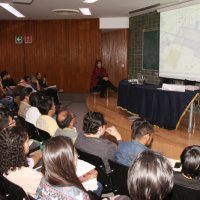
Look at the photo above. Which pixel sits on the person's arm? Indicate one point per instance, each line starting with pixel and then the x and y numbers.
pixel 37 85
pixel 36 156
pixel 114 132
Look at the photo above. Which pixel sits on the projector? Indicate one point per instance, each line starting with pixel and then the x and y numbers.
pixel 23 1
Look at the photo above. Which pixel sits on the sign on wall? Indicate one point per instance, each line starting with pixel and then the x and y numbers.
pixel 18 39
pixel 26 39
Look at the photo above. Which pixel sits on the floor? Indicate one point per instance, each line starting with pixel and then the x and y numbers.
pixel 169 142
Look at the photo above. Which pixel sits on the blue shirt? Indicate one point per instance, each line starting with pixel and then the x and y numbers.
pixel 127 152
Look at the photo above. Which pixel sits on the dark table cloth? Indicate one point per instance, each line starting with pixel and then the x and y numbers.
pixel 162 108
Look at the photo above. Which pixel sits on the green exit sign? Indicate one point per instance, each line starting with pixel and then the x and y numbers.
pixel 18 39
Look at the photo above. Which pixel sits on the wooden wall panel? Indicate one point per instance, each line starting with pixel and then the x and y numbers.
pixel 114 54
pixel 64 50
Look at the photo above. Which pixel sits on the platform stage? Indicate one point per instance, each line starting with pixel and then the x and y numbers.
pixel 169 142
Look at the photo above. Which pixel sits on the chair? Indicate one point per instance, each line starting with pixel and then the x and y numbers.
pixel 180 192
pixel 96 91
pixel 102 177
pixel 32 131
pixel 119 178
pixel 44 136
pixel 11 191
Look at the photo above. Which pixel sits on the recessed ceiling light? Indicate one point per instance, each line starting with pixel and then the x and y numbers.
pixel 85 11
pixel 12 10
pixel 22 1
pixel 90 1
pixel 65 11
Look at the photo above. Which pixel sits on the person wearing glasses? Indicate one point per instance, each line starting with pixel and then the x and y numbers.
pixel 14 147
pixel 6 119
pixel 92 141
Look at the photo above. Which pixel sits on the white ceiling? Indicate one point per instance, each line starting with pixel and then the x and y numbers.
pixel 41 9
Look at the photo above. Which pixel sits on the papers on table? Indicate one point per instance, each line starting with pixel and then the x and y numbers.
pixel 83 168
pixel 52 86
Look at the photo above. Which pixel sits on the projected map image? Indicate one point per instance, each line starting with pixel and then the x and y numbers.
pixel 180 43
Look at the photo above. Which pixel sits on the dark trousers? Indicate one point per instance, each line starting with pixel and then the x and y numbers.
pixel 103 85
pixel 52 93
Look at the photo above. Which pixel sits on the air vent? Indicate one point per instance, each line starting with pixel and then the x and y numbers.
pixel 22 1
pixel 145 9
pixel 65 11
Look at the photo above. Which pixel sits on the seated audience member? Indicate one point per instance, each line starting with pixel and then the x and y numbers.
pixel 6 119
pixel 4 77
pixel 21 84
pixel 190 173
pixel 44 88
pixel 59 169
pixel 66 121
pixel 4 99
pixel 32 114
pixel 142 134
pixel 24 101
pixel 10 81
pixel 46 121
pixel 7 81
pixel 14 145
pixel 35 83
pixel 29 83
pixel 100 79
pixel 91 140
pixel 150 177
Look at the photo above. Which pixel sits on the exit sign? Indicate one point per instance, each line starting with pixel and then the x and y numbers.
pixel 18 39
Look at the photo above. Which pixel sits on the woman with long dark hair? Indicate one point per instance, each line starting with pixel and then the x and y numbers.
pixel 59 169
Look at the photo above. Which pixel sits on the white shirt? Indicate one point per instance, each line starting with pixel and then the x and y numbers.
pixel 32 114
pixel 25 177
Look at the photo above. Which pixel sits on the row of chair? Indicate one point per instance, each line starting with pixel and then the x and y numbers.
pixel 115 181
pixel 34 133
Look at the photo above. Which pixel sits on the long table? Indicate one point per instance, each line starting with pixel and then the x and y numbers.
pixel 161 108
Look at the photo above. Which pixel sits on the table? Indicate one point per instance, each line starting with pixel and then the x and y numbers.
pixel 162 108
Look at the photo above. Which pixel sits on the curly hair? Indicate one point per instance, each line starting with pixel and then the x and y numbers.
pixel 92 121
pixel 12 154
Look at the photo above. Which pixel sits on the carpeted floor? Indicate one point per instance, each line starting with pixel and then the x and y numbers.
pixel 76 104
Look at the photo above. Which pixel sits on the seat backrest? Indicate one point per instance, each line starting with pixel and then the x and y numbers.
pixel 44 136
pixel 11 191
pixel 184 193
pixel 119 178
pixel 102 177
pixel 32 131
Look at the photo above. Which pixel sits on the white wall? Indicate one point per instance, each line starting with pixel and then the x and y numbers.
pixel 114 23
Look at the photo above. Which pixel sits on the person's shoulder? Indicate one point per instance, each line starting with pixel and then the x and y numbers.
pixel 25 172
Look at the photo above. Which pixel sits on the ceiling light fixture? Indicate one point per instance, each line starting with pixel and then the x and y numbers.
pixel 85 11
pixel 90 1
pixel 22 1
pixel 65 11
pixel 12 10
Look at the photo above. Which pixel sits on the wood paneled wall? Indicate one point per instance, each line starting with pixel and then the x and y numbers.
pixel 114 53
pixel 64 50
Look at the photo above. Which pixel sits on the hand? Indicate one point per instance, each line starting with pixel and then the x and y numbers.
pixel 105 78
pixel 114 132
